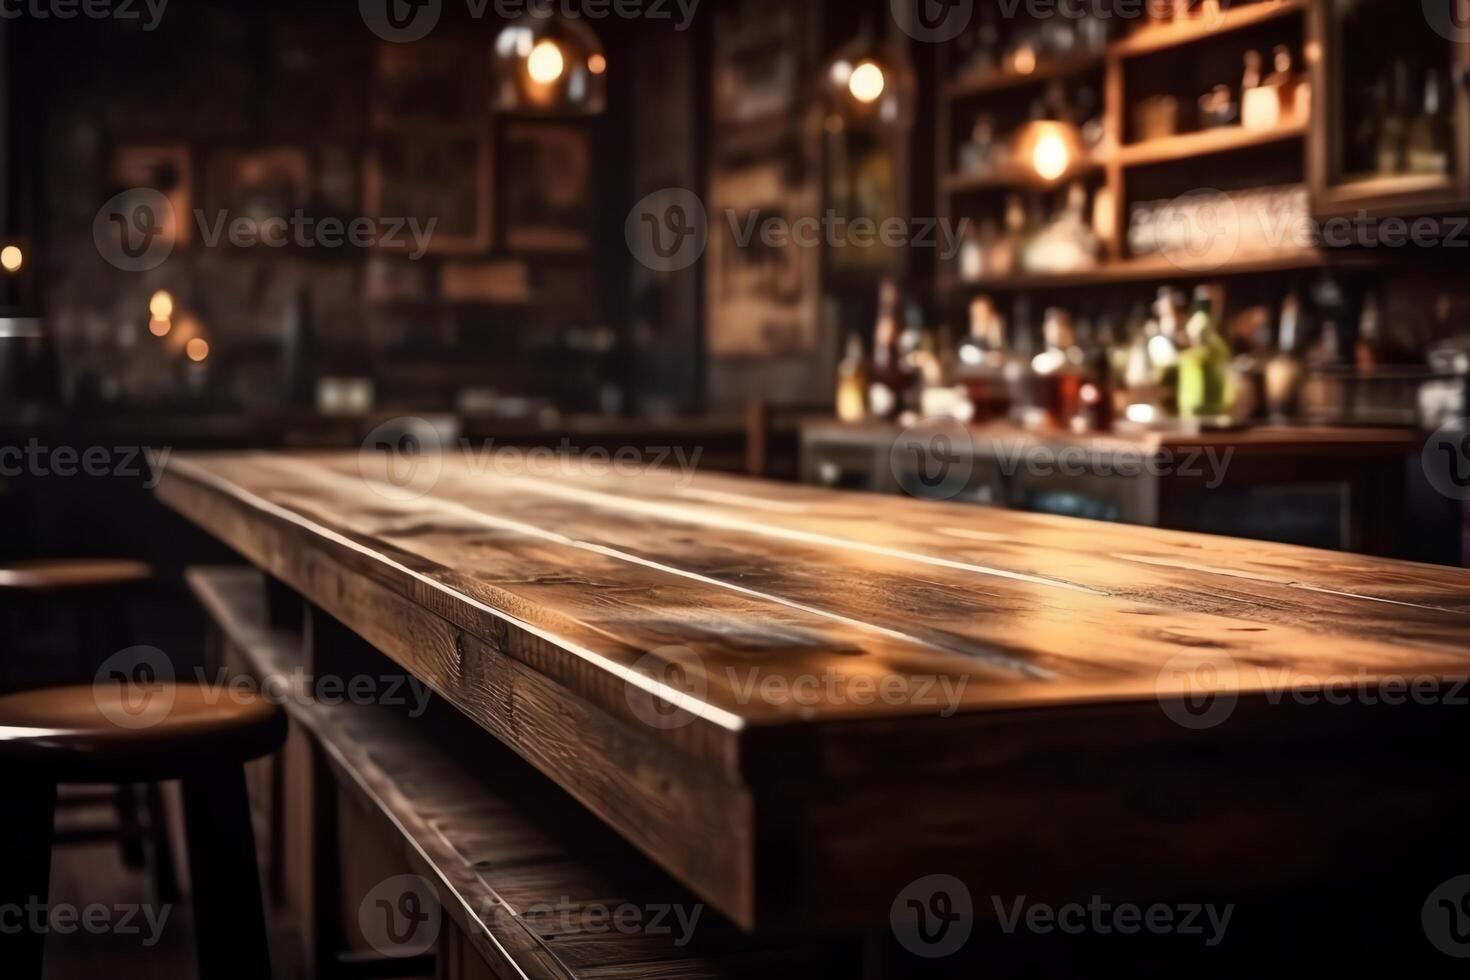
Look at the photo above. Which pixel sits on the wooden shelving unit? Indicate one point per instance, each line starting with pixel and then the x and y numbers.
pixel 1203 28
pixel 1187 146
pixel 1117 165
pixel 1045 71
pixel 1145 269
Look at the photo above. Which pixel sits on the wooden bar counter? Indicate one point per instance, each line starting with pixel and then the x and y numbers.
pixel 797 701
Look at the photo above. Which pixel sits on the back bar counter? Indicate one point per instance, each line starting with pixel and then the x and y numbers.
pixel 797 712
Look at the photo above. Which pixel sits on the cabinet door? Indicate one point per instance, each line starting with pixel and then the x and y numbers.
pixel 1391 130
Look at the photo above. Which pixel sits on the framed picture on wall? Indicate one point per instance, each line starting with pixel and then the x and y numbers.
pixel 257 183
pixel 763 298
pixel 429 83
pixel 166 168
pixel 427 175
pixel 546 171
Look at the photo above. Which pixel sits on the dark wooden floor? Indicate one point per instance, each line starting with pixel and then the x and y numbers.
pixel 85 875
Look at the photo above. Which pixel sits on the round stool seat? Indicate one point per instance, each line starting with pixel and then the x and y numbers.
pixel 134 732
pixel 71 573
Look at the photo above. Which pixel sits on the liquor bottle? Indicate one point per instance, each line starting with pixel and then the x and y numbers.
pixel 1327 351
pixel 852 382
pixel 1206 387
pixel 1058 369
pixel 984 361
pixel 887 385
pixel 1371 349
pixel 1286 83
pixel 1392 134
pixel 1427 145
pixel 1260 104
pixel 1284 369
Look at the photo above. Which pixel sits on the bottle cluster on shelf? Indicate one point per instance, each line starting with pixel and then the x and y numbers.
pixel 1165 365
pixel 1038 234
pixel 1408 129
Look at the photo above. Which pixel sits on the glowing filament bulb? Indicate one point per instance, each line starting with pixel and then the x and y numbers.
pixel 867 82
pixel 545 63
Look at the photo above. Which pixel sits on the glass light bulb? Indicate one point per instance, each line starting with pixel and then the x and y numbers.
pixel 161 305
pixel 867 82
pixel 1051 157
pixel 545 63
pixel 11 258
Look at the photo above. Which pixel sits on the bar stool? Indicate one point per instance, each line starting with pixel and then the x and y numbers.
pixel 130 733
pixel 101 588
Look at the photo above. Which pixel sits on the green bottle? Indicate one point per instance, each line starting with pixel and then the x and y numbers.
pixel 1206 387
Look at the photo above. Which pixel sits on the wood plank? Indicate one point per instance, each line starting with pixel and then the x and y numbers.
pixel 703 661
pixel 522 873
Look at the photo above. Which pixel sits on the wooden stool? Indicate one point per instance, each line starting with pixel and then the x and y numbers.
pixel 101 588
pixel 109 733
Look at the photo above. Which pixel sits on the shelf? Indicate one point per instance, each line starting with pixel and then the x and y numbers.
pixel 1017 177
pixel 1186 146
pixel 1145 270
pixel 1155 39
pixel 1006 78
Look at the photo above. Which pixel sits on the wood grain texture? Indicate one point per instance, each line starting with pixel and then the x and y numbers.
pixel 522 874
pixel 697 660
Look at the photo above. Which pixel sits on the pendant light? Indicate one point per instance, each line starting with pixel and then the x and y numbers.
pixel 549 64
pixel 868 83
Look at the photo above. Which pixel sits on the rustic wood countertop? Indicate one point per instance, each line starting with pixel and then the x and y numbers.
pixel 760 685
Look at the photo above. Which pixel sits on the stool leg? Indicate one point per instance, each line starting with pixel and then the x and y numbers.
pixel 27 823
pixel 165 875
pixel 229 914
